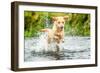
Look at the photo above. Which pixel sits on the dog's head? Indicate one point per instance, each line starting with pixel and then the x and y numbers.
pixel 59 21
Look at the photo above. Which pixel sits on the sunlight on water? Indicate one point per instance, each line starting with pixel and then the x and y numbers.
pixel 74 47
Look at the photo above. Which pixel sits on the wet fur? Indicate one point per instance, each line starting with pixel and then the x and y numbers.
pixel 56 34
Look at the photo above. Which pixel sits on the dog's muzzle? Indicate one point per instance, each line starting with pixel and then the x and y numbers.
pixel 61 27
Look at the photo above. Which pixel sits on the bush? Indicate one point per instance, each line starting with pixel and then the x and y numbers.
pixel 77 24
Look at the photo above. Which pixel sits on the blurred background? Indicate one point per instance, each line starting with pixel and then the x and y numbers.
pixel 77 24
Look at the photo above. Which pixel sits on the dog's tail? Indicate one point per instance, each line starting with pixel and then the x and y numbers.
pixel 45 30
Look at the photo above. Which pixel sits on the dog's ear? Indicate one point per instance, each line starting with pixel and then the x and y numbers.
pixel 54 18
pixel 66 17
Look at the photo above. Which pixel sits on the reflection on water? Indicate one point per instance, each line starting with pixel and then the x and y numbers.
pixel 74 47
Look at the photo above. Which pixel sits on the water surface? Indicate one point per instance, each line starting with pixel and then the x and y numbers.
pixel 74 47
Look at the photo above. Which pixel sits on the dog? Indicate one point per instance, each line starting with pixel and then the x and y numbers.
pixel 56 34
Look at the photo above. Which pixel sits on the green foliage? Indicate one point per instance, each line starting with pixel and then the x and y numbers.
pixel 77 24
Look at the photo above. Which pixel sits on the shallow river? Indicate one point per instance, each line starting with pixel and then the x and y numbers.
pixel 74 47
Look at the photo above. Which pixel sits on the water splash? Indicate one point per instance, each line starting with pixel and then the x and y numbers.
pixel 74 48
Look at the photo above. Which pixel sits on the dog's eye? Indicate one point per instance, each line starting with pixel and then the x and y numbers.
pixel 58 22
pixel 63 22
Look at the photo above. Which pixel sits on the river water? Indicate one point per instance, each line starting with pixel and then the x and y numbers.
pixel 74 47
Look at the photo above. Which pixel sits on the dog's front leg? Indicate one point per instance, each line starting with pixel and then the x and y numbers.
pixel 62 39
pixel 59 47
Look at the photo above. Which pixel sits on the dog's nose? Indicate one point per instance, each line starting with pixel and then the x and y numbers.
pixel 62 27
